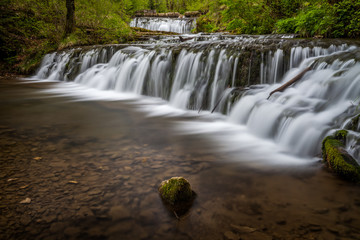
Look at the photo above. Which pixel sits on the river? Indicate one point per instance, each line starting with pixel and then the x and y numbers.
pixel 90 137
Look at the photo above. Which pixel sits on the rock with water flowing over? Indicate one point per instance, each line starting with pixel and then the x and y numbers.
pixel 177 194
pixel 355 123
pixel 338 159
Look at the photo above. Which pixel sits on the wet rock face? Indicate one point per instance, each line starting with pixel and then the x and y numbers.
pixel 337 158
pixel 177 195
pixel 153 13
pixel 192 14
pixel 354 125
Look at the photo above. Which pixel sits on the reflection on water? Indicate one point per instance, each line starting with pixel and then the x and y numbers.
pixel 92 168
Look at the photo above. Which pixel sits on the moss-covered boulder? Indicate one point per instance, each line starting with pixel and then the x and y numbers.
pixel 177 194
pixel 337 158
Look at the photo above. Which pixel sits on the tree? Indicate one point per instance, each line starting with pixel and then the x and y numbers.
pixel 70 17
pixel 151 4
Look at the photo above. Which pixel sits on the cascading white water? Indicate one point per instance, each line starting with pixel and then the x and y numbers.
pixel 353 136
pixel 177 25
pixel 300 117
pixel 204 76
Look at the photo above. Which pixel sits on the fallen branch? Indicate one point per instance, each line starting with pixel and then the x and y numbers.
pixel 287 84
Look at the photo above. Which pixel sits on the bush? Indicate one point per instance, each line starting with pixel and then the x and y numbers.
pixel 204 24
pixel 347 14
pixel 287 25
pixel 315 20
pixel 237 25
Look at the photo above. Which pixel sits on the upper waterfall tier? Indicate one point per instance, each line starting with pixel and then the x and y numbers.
pixel 177 25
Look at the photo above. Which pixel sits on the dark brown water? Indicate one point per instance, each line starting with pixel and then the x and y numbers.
pixel 91 170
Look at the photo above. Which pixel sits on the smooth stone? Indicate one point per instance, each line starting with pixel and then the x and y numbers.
pixel 156 166
pixel 26 201
pixel 84 212
pixel 49 218
pixel 94 192
pixel 25 219
pixel 149 200
pixel 96 231
pixel 243 229
pixel 57 227
pixel 281 222
pixel 148 216
pixel 231 236
pixel 72 231
pixel 321 210
pixel 119 213
pixel 121 227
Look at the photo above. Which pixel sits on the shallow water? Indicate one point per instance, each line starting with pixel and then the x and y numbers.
pixel 92 168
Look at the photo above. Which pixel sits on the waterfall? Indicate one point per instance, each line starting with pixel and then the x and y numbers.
pixel 299 118
pixel 208 74
pixel 177 25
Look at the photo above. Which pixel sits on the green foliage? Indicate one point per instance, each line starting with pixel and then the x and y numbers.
pixel 28 30
pixel 196 5
pixel 347 18
pixel 238 25
pixel 341 19
pixel 243 16
pixel 284 8
pixel 307 18
pixel 181 6
pixel 314 20
pixel 287 25
pixel 31 28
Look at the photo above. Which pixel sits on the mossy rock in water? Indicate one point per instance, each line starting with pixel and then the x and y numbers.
pixel 338 159
pixel 177 194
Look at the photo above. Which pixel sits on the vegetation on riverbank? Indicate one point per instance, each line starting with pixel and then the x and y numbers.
pixel 325 18
pixel 31 28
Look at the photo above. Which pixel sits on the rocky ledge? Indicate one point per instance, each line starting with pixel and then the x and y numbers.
pixel 153 13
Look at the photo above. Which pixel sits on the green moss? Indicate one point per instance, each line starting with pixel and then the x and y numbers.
pixel 341 135
pixel 176 190
pixel 338 159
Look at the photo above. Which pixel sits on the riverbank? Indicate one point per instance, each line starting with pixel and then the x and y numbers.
pixel 90 169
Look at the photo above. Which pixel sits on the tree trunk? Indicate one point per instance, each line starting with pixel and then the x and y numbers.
pixel 70 17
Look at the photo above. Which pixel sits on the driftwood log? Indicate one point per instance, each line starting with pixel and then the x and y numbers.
pixel 293 80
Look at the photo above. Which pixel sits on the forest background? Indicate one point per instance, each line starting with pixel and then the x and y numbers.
pixel 31 28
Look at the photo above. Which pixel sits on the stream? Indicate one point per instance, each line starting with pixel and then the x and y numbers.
pixel 92 134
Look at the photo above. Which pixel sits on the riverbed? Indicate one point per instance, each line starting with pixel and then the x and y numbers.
pixel 75 169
